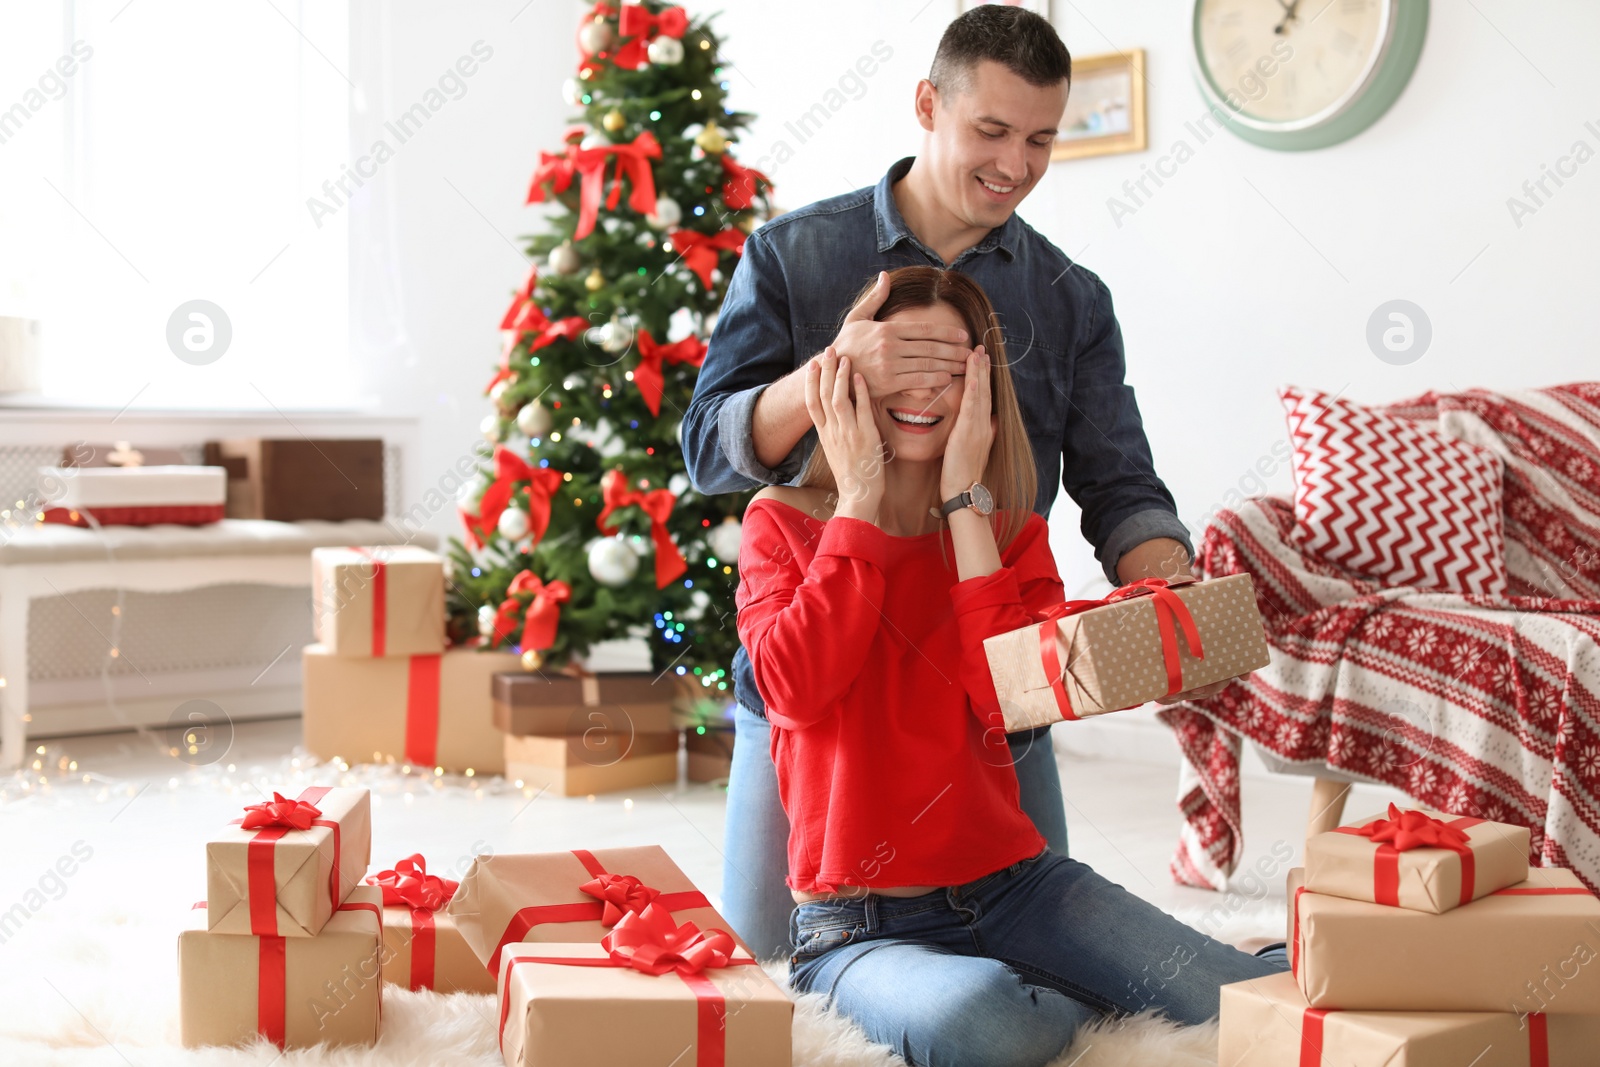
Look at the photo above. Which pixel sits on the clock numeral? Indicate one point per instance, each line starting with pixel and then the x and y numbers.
pixel 1351 7
pixel 1237 50
pixel 1344 41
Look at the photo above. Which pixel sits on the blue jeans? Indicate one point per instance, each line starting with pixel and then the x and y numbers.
pixel 755 900
pixel 1005 969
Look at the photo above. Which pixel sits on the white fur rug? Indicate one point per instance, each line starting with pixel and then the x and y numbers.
pixel 91 978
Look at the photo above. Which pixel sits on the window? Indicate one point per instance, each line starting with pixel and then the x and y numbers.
pixel 158 152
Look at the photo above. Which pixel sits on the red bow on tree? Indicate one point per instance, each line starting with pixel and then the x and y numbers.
pixel 543 617
pixel 411 885
pixel 279 811
pixel 649 376
pixel 643 27
pixel 1406 830
pixel 656 503
pixel 743 183
pixel 508 471
pixel 700 250
pixel 522 304
pixel 651 942
pixel 633 161
pixel 621 894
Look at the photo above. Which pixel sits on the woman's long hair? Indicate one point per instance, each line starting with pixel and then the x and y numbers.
pixel 1010 475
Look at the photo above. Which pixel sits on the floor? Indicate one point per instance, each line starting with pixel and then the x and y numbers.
pixel 125 798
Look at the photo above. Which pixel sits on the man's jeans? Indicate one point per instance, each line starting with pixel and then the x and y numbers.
pixel 755 900
pixel 1003 970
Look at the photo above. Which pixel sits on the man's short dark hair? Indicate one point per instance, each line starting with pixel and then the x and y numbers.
pixel 1014 37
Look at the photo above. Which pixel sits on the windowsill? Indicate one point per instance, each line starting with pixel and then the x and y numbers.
pixel 41 406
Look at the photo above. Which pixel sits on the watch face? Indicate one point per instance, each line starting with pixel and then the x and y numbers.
pixel 982 501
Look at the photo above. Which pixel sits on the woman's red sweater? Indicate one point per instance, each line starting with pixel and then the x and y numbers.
pixel 892 761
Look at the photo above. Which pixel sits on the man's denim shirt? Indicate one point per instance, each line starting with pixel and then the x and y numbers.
pixel 799 275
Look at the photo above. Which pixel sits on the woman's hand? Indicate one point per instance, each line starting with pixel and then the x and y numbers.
pixel 847 432
pixel 966 453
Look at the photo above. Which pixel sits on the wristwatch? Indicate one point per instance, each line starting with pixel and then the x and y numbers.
pixel 977 497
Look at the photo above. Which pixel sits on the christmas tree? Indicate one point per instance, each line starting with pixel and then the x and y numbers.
pixel 581 525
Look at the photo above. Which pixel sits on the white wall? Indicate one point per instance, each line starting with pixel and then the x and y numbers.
pixel 1220 298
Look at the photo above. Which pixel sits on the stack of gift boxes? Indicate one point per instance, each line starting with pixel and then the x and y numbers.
pixel 380 685
pixel 612 956
pixel 1422 938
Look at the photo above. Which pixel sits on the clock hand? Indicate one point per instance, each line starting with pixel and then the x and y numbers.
pixel 1289 15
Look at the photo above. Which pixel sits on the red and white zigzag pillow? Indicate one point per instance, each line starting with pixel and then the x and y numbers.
pixel 1392 501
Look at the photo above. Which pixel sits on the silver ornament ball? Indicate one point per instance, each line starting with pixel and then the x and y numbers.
pixel 611 562
pixel 667 214
pixel 665 51
pixel 514 523
pixel 534 419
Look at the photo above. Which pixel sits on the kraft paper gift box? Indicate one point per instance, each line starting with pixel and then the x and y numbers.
pixel 430 711
pixel 422 949
pixel 1529 947
pixel 709 752
pixel 298 479
pixel 592 762
pixel 386 600
pixel 1418 859
pixel 541 897
pixel 1141 642
pixel 552 704
pixel 285 866
pixel 1266 1022
pixel 574 1005
pixel 294 991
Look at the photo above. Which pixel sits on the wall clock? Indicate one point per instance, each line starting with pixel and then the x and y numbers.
pixel 1300 74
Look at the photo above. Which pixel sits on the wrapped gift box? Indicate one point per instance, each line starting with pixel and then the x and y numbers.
pixel 552 704
pixel 422 949
pixel 574 1005
pixel 132 496
pixel 299 479
pixel 597 761
pixel 294 991
pixel 386 600
pixel 709 752
pixel 284 868
pixel 540 897
pixel 1534 946
pixel 1266 1022
pixel 1418 859
pixel 1126 650
pixel 428 710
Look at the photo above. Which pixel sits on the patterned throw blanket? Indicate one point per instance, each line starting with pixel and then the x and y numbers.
pixel 1476 705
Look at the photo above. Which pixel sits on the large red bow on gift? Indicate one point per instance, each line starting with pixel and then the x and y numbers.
pixel 543 616
pixel 637 22
pixel 1406 830
pixel 657 503
pixel 621 894
pixel 743 183
pixel 649 941
pixel 279 811
pixel 649 376
pixel 411 885
pixel 700 251
pixel 509 469
pixel 633 161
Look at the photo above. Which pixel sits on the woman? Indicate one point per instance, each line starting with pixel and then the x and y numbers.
pixel 929 909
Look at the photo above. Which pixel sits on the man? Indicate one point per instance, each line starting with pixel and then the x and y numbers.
pixel 990 107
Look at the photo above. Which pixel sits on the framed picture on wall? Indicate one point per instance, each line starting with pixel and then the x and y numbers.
pixel 1038 7
pixel 1105 108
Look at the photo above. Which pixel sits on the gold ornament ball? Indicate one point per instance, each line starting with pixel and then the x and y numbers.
pixel 614 121
pixel 532 659
pixel 711 139
pixel 747 223
pixel 595 281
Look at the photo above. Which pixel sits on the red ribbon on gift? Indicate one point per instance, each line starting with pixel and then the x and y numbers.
pixel 409 885
pixel 633 162
pixel 1311 1038
pixel 608 904
pixel 743 184
pixel 620 894
pixel 700 251
pixel 637 22
pixel 509 470
pixel 649 375
pixel 544 612
pixel 273 820
pixel 380 599
pixel 1171 615
pixel 1406 830
pixel 422 709
pixel 656 503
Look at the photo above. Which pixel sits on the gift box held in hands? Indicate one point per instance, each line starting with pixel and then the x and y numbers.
pixel 284 867
pixel 1148 639
pixel 422 949
pixel 387 600
pixel 1417 859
